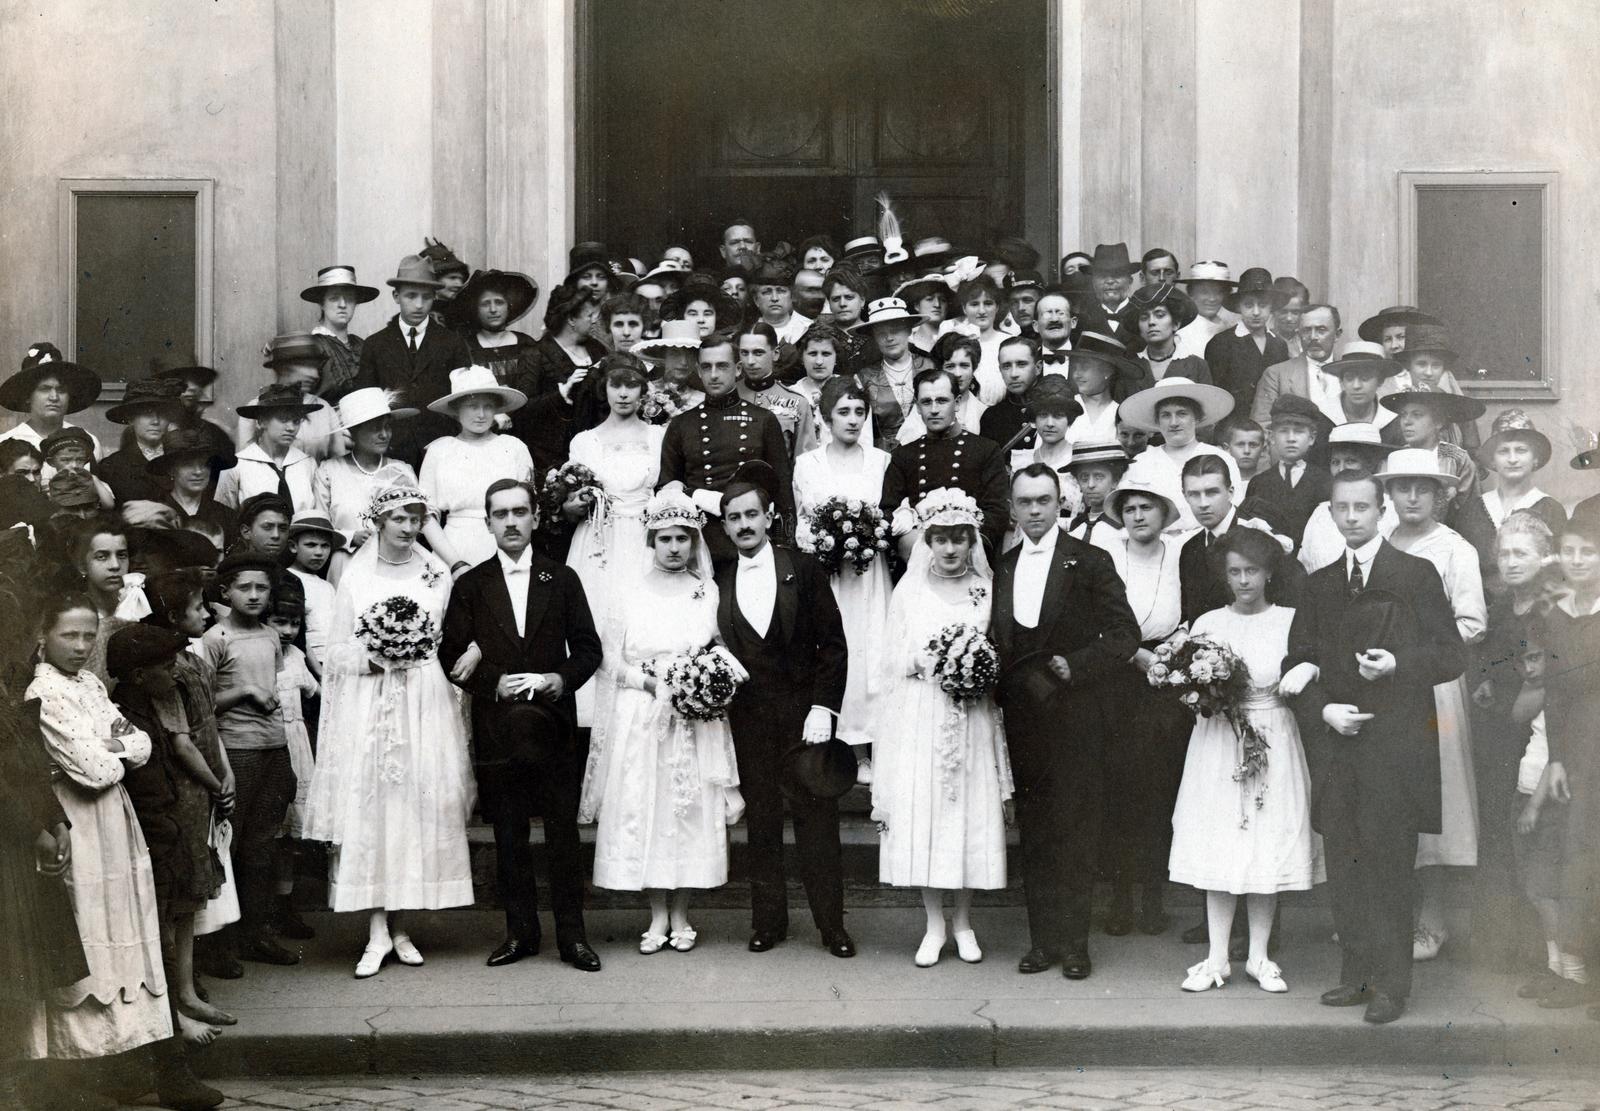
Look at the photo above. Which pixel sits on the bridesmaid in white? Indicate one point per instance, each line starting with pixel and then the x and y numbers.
pixel 456 470
pixel 663 787
pixel 625 454
pixel 1419 486
pixel 942 775
pixel 1222 842
pixel 344 484
pixel 844 467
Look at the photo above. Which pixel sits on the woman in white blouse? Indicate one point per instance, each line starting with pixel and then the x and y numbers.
pixel 1177 408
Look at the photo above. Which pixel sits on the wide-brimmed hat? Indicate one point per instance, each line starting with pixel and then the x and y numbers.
pixel 1365 356
pixel 279 398
pixel 163 395
pixel 370 403
pixel 1209 272
pixel 585 256
pixel 1361 434
pixel 682 335
pixel 1112 258
pixel 139 645
pixel 1103 349
pixel 1098 451
pixel 1131 485
pixel 189 443
pixel 885 310
pixel 1453 408
pixel 1017 253
pixel 520 292
pixel 667 268
pixel 1416 462
pixel 338 277
pixel 469 380
pixel 1515 425
pixel 773 272
pixel 314 520
pixel 702 288
pixel 176 547
pixel 1177 302
pixel 861 247
pixel 1407 316
pixel 292 347
pixel 932 250
pixel 823 771
pixel 183 366
pixel 1258 281
pixel 1139 410
pixel 41 361
pixel 1588 445
pixel 917 288
pixel 415 270
pixel 1052 393
pixel 1428 339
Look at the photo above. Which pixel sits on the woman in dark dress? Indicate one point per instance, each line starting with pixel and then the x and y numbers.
pixel 149 408
pixel 337 293
pixel 483 312
pixel 559 363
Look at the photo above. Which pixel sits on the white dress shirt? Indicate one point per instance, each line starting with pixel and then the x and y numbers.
pixel 1033 568
pixel 1325 390
pixel 1364 556
pixel 756 588
pixel 421 329
pixel 1292 473
pixel 518 574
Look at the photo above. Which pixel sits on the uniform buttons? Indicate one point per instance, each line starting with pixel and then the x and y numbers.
pixel 742 436
pixel 958 451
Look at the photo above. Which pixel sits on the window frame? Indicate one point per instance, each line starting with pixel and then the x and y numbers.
pixel 201 190
pixel 1412 182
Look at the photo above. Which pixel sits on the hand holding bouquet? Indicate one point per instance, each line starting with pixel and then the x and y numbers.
pixel 965 663
pixel 848 532
pixel 397 631
pixel 701 684
pixel 565 483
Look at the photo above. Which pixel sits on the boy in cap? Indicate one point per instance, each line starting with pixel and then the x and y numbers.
pixel 296 361
pixel 1238 357
pixel 312 542
pixel 1293 484
pixel 72 449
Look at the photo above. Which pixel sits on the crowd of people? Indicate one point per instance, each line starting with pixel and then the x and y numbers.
pixel 729 539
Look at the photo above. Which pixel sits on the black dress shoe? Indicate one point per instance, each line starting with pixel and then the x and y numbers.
pixel 1346 995
pixel 512 950
pixel 178 1087
pixel 1153 921
pixel 1076 966
pixel 264 949
pixel 1197 935
pixel 762 940
pixel 1119 919
pixel 839 944
pixel 1384 1008
pixel 581 957
pixel 1036 960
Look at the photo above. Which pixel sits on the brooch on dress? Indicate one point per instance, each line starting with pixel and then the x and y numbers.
pixel 431 576
pixel 699 592
pixel 978 594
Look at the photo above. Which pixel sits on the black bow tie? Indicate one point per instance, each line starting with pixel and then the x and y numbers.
pixel 1053 359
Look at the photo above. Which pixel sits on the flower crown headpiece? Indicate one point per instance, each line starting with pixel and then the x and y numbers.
pixel 673 508
pixel 392 497
pixel 949 506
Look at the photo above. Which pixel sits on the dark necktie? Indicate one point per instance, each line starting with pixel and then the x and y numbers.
pixel 1210 536
pixel 411 341
pixel 1357 582
pixel 283 482
pixel 1288 476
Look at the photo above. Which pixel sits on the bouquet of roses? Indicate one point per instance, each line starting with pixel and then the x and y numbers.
pixel 663 401
pixel 966 664
pixel 398 631
pixel 561 483
pixel 701 683
pixel 848 531
pixel 1211 679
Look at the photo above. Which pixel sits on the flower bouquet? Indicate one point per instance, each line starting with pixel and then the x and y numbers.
pixel 561 483
pixel 701 684
pixel 966 664
pixel 397 631
pixel 1211 679
pixel 848 532
pixel 663 401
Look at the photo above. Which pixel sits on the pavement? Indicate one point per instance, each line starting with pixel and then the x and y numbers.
pixel 721 1007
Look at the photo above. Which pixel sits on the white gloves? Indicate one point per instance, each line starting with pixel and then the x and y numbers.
pixel 819 726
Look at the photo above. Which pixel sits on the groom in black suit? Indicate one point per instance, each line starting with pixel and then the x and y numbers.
pixel 1372 637
pixel 536 652
pixel 778 617
pixel 1063 627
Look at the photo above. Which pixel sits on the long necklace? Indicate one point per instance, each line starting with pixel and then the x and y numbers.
pixel 1155 595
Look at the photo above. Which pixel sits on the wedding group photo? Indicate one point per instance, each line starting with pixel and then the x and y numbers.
pixel 774 506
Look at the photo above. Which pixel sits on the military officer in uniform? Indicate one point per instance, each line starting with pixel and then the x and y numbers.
pixel 704 446
pixel 946 456
pixel 758 350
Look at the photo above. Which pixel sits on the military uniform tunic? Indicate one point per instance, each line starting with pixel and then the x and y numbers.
pixel 959 459
pixel 703 448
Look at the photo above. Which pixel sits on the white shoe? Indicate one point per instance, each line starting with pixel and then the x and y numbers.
pixel 928 952
pixel 1425 944
pixel 651 943
pixel 683 940
pixel 1268 975
pixel 372 959
pixel 864 772
pixel 1203 977
pixel 967 946
pixel 405 951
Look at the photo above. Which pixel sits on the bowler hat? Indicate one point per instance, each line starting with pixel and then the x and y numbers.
pixel 41 361
pixel 822 771
pixel 338 277
pixel 527 735
pixel 163 395
pixel 1257 281
pixel 188 443
pixel 1407 316
pixel 414 270
pixel 519 290
pixel 1112 258
pixel 1147 297
pixel 1514 425
pixel 139 645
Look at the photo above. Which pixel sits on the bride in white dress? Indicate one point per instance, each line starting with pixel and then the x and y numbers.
pixel 663 787
pixel 393 786
pixel 941 774
pixel 625 455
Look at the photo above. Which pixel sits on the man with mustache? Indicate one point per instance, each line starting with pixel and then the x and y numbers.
pixel 536 645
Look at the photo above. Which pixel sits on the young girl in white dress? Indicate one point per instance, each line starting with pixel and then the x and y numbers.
pixel 663 787
pixel 625 454
pixel 344 484
pixel 1419 487
pixel 941 775
pixel 844 467
pixel 393 786
pixel 456 470
pixel 1222 842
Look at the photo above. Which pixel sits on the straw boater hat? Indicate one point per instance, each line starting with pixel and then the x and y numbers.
pixel 1130 485
pixel 337 277
pixel 1406 316
pixel 1365 356
pixel 1258 281
pixel 520 292
pixel 1514 425
pixel 467 381
pixel 1359 434
pixel 1453 408
pixel 292 347
pixel 683 335
pixel 1139 410
pixel 1416 462
pixel 42 361
pixel 369 403
pixel 189 443
pixel 161 395
pixel 1209 272
pixel 861 247
pixel 1177 302
pixel 414 270
pixel 933 250
pixel 1098 451
pixel 886 310
pixel 278 398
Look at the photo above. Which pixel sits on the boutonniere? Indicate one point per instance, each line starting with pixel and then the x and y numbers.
pixel 431 577
pixel 789 578
pixel 1069 564
pixel 978 594
pixel 545 576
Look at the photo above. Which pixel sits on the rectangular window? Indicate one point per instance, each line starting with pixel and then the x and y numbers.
pixel 1478 251
pixel 137 260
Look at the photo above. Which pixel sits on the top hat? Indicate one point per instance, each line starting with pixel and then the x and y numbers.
pixel 1131 485
pixel 415 270
pixel 1514 425
pixel 823 771
pixel 683 335
pixel 182 366
pixel 442 258
pixel 292 347
pixel 1365 356
pixel 278 398
pixel 337 277
pixel 1405 316
pixel 188 443
pixel 1139 410
pixel 1453 408
pixel 885 310
pixel 1112 258
pixel 1210 272
pixel 520 293
pixel 369 403
pixel 1256 280
pixel 41 361
pixel 1428 339
pixel 1177 302
pixel 163 395
pixel 862 246
pixel 465 381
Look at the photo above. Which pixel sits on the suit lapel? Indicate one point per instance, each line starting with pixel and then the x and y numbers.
pixel 1004 577
pixel 500 601
pixel 725 602
pixel 1056 585
pixel 538 599
pixel 787 596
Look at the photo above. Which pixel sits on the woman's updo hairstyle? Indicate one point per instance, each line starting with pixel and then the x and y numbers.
pixel 847 275
pixel 951 342
pixel 970 288
pixel 839 388
pixel 1255 545
pixel 565 302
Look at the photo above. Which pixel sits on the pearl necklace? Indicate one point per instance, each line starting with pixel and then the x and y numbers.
pixel 356 463
pixel 394 562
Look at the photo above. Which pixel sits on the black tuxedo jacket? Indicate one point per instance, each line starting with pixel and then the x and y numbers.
pixel 1394 759
pixel 1237 364
pixel 560 638
pixel 420 377
pixel 1294 504
pixel 1204 582
pixel 802 661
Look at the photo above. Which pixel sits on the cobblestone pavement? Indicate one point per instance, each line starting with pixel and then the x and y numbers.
pixel 955 1090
